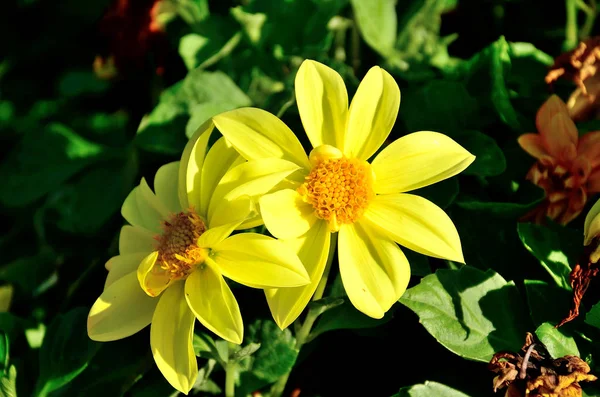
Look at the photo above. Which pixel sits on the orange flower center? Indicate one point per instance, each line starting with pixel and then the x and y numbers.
pixel 339 190
pixel 178 250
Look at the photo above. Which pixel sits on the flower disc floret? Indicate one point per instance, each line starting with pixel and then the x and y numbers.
pixel 339 190
pixel 178 250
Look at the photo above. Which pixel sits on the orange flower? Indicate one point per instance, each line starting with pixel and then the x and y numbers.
pixel 568 167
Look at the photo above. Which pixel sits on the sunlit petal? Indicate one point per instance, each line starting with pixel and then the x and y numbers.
pixel 251 179
pixel 190 170
pixel 136 239
pixel 374 270
pixel 153 279
pixel 286 304
pixel 165 186
pixel 142 208
pixel 417 224
pixel 121 265
pixel 171 336
pixel 213 303
pixel 373 112
pixel 258 134
pixel 533 144
pixel 286 215
pixel 259 261
pixel 417 160
pixel 122 310
pixel 322 102
pixel 220 159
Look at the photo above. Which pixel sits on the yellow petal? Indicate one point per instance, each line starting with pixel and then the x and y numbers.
pixel 190 174
pixel 417 160
pixel 142 208
pixel 136 239
pixel 235 211
pixel 374 270
pixel 258 134
pixel 373 112
pixel 220 158
pixel 215 235
pixel 171 336
pixel 417 224
pixel 286 304
pixel 212 302
pixel 122 310
pixel 322 102
pixel 153 279
pixel 285 214
pixel 259 261
pixel 121 265
pixel 251 179
pixel 165 186
pixel 591 226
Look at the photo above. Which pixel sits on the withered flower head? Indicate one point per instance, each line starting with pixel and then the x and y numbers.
pixel 535 374
pixel 580 66
pixel 567 167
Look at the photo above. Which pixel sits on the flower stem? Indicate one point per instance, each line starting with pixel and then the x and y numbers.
pixel 230 372
pixel 312 315
pixel 571 27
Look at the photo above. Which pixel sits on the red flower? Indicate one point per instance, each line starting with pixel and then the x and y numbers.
pixel 568 167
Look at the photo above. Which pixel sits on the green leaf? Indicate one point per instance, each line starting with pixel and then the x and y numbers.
pixel 346 316
pixel 557 343
pixel 205 347
pixel 8 383
pixel 189 47
pixel 277 353
pixel 78 83
pixel 593 316
pixel 207 93
pixel 4 352
pixel 66 351
pixel 489 160
pixel 244 352
pixel 29 272
pixel 377 23
pixel 439 105
pixel 42 161
pixel 547 303
pixel 429 389
pixel 472 313
pixel 556 247
pixel 442 193
pixel 252 23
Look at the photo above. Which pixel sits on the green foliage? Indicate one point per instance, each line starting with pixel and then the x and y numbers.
pixel 472 313
pixel 94 97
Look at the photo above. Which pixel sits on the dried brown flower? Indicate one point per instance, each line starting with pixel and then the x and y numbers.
pixel 580 66
pixel 536 374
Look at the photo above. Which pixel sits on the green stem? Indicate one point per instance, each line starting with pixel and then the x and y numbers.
pixel 590 17
pixel 230 373
pixel 571 27
pixel 312 315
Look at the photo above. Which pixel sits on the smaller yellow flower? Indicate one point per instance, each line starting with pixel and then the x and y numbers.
pixel 178 249
pixel 336 190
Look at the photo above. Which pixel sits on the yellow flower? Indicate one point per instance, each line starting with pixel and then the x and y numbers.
pixel 337 190
pixel 178 248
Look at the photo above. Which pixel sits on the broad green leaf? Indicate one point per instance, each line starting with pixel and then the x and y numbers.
pixel 472 313
pixel 8 383
pixel 429 389
pixel 593 316
pixel 555 246
pixel 442 193
pixel 205 347
pixel 4 352
pixel 346 316
pixel 244 352
pixel 439 105
pixel 489 159
pixel 88 203
pixel 189 46
pixel 162 131
pixel 252 23
pixel 66 350
pixel 78 83
pixel 377 23
pixel 277 353
pixel 557 343
pixel 30 272
pixel 547 302
pixel 42 161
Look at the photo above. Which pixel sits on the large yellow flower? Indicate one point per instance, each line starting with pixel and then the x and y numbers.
pixel 178 247
pixel 337 190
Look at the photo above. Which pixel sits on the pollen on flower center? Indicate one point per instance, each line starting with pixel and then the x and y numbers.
pixel 178 251
pixel 339 190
